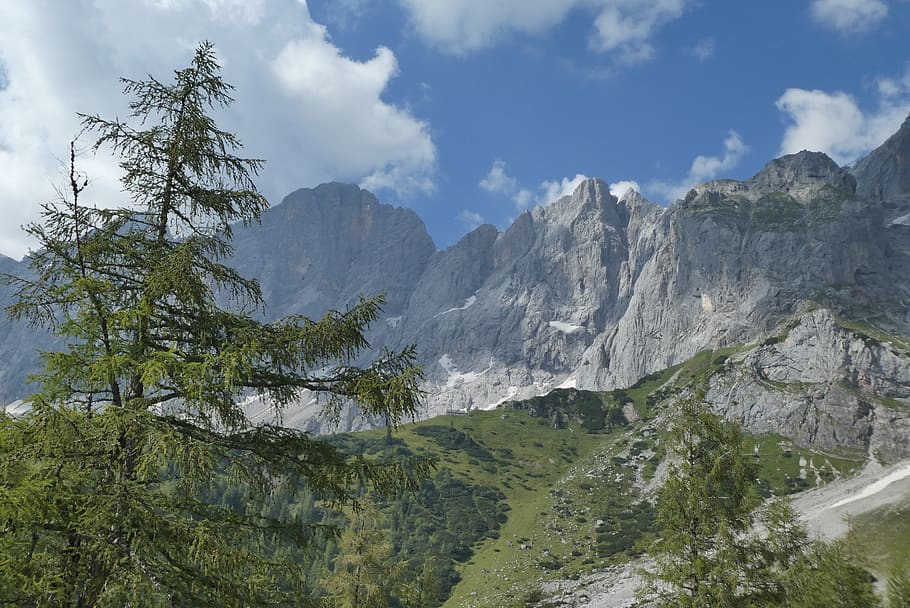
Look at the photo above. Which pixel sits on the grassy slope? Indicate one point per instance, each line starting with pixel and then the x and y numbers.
pixel 574 497
pixel 884 535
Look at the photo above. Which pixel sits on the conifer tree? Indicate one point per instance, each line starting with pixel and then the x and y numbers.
pixel 106 484
pixel 705 503
pixel 711 555
pixel 364 573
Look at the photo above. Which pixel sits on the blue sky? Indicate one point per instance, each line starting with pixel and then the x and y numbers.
pixel 467 111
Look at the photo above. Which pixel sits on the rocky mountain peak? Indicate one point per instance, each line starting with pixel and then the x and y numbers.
pixel 715 190
pixel 800 175
pixel 591 200
pixel 884 175
pixel 323 247
pixel 591 291
pixel 593 189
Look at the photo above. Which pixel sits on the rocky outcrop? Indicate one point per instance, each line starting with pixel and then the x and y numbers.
pixel 522 313
pixel 822 384
pixel 595 292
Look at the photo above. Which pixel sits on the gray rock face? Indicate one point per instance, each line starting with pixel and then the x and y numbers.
pixel 500 315
pixel 823 385
pixel 800 176
pixel 19 343
pixel 324 248
pixel 884 175
pixel 596 292
pixel 734 259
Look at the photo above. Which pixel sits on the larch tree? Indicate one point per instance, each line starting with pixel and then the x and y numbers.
pixel 106 484
pixel 704 505
pixel 718 546
pixel 364 573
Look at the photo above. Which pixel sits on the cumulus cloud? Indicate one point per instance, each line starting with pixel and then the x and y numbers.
pixel 619 189
pixel 523 198
pixel 470 219
pixel 835 124
pixel 497 180
pixel 274 53
pixel 703 49
pixel 704 168
pixel 707 167
pixel 331 95
pixel 621 27
pixel 347 14
pixel 849 16
pixel 462 26
pixel 626 26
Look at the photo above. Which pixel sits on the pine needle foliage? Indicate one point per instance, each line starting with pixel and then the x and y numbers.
pixel 136 421
pixel 705 504
pixel 720 547
pixel 365 573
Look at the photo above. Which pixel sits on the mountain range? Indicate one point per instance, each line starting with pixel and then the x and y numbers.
pixel 797 281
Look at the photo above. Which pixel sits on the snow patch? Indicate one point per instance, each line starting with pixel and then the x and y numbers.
pixel 566 328
pixel 393 321
pixel 456 376
pixel 903 220
pixel 468 303
pixel 513 390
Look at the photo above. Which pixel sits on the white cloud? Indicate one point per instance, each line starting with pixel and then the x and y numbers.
pixel 237 11
pixel 619 189
pixel 462 26
pixel 835 124
pixel 704 168
pixel 470 219
pixel 621 27
pixel 627 26
pixel 703 49
pixel 497 180
pixel 337 101
pixel 272 52
pixel 346 14
pixel 523 198
pixel 707 167
pixel 849 16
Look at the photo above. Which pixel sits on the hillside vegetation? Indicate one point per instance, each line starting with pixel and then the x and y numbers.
pixel 557 487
